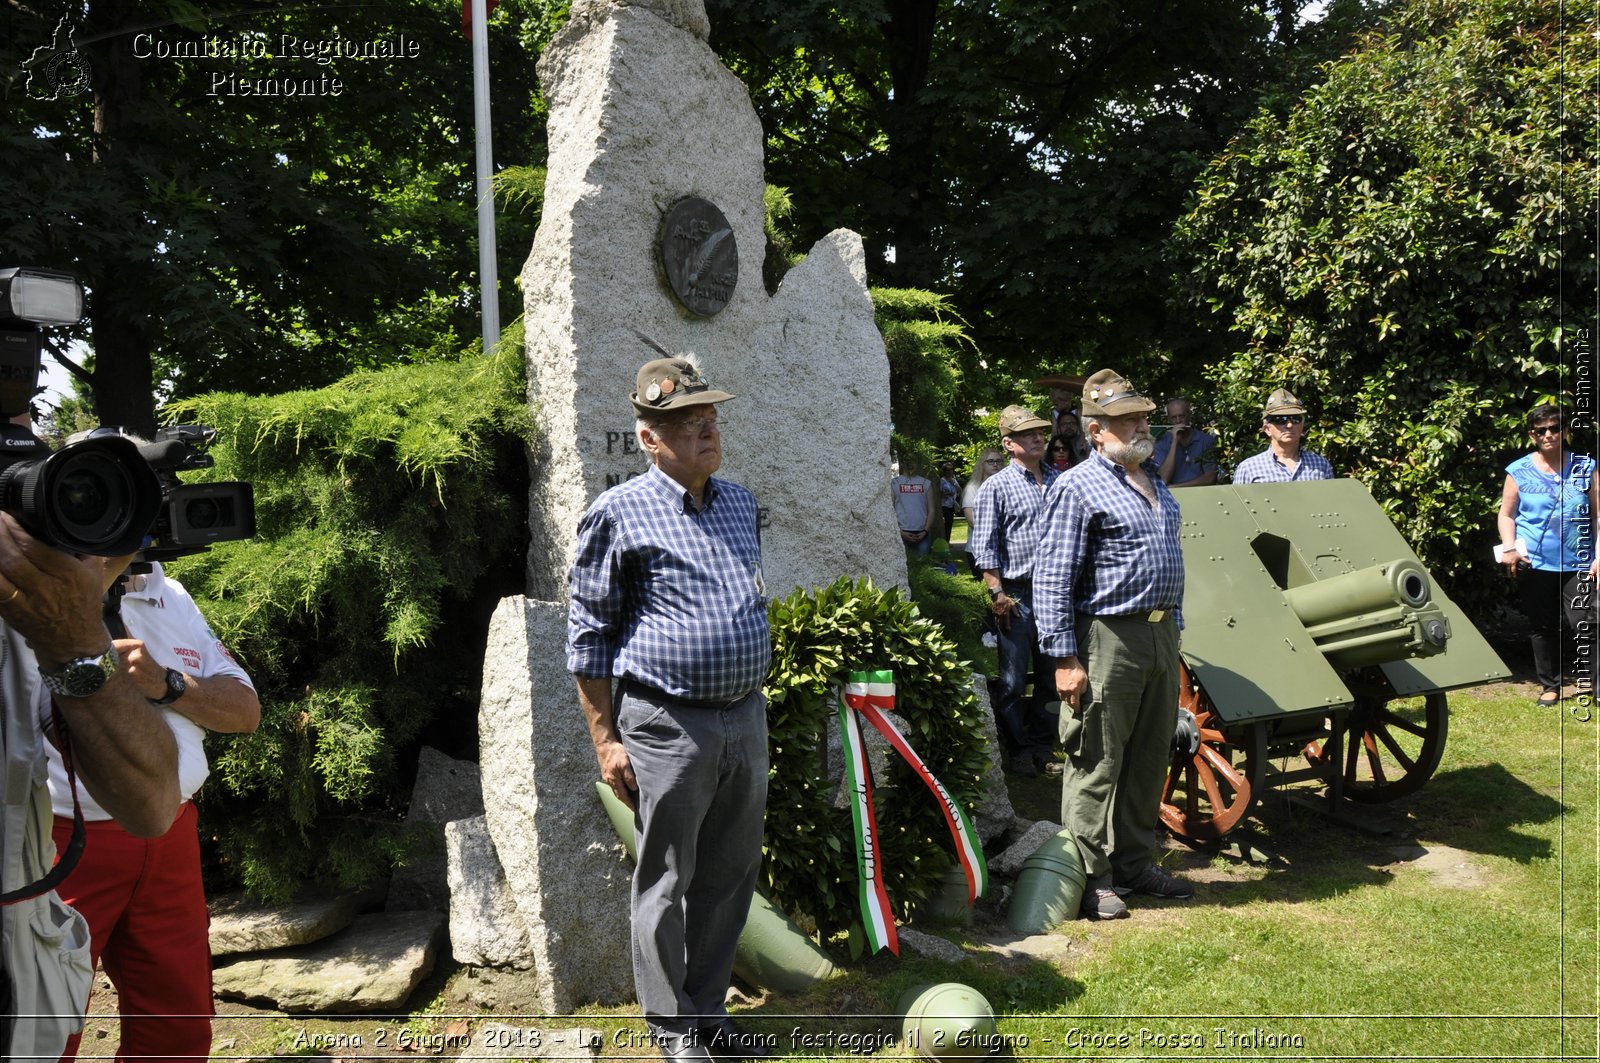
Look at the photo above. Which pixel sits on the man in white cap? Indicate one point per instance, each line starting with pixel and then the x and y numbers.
pixel 1107 589
pixel 667 598
pixel 1283 419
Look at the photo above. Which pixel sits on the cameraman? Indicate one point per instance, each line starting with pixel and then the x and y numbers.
pixel 143 897
pixel 57 662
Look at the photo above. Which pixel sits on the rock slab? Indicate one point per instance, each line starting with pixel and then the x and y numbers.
pixel 239 925
pixel 446 789
pixel 565 868
pixel 1010 862
pixel 371 966
pixel 486 929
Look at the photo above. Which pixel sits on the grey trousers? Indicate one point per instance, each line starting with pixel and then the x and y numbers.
pixel 1119 745
pixel 702 777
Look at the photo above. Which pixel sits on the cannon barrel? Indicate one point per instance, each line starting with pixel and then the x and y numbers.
pixel 1373 615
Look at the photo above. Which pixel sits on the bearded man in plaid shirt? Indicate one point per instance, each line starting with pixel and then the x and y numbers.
pixel 1107 588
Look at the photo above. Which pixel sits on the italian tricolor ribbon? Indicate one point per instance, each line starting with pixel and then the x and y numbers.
pixel 869 695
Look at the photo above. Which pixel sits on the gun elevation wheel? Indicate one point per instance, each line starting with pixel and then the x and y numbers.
pixel 1392 747
pixel 1209 792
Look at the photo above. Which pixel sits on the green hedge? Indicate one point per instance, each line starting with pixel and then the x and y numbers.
pixel 391 512
pixel 816 638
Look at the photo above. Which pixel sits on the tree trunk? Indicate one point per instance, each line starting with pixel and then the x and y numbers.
pixel 119 308
pixel 910 129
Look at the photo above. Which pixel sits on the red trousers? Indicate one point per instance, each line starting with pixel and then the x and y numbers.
pixel 148 926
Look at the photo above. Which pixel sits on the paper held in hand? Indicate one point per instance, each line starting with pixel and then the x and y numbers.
pixel 1521 546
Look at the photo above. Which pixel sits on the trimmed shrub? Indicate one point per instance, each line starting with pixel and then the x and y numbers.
pixel 391 517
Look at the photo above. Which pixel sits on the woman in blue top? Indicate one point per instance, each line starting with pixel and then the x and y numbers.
pixel 1549 506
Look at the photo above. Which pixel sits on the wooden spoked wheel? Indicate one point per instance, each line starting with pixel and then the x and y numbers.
pixel 1393 746
pixel 1208 793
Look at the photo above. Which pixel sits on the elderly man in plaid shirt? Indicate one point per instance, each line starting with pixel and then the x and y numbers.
pixel 1003 540
pixel 667 597
pixel 1107 587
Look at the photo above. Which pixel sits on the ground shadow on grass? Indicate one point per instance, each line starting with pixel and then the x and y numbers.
pixel 1481 809
pixel 1306 854
pixel 861 1011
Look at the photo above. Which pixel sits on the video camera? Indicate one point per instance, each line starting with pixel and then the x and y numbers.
pixel 193 516
pixel 94 497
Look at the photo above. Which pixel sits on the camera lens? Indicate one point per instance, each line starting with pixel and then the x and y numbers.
pixel 89 498
pixel 202 513
pixel 83 498
pixel 94 497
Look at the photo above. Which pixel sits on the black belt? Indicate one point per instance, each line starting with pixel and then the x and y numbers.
pixel 630 685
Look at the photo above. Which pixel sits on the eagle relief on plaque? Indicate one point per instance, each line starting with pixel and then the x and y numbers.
pixel 700 255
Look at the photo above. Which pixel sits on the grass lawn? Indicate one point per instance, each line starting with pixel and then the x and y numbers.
pixel 1467 931
pixel 1460 924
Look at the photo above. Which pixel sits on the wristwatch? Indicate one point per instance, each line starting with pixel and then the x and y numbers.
pixel 84 676
pixel 177 687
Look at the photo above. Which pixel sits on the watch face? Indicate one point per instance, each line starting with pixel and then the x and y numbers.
pixel 83 677
pixel 177 686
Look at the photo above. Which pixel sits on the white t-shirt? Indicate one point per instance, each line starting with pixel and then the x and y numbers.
pixel 160 613
pixel 911 501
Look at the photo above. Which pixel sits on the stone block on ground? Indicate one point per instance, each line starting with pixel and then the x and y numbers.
pixel 995 813
pixel 446 789
pixel 373 965
pixel 1010 862
pixel 486 929
pixel 239 925
pixel 930 945
pixel 565 868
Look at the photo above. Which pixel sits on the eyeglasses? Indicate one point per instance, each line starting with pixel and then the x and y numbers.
pixel 694 426
pixel 994 461
pixel 1546 430
pixel 1284 420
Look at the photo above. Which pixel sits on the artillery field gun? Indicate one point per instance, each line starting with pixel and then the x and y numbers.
pixel 1314 637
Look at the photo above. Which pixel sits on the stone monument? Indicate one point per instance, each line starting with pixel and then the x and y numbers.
pixel 652 230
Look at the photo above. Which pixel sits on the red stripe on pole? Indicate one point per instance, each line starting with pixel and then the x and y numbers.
pixel 466 14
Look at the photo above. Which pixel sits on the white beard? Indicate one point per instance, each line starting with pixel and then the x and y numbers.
pixel 1135 453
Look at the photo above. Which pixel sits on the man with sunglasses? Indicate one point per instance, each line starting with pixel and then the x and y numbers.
pixel 1285 459
pixel 667 598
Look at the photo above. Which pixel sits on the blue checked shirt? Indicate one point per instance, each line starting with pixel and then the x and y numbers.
pixel 1265 468
pixel 1103 551
pixel 669 595
pixel 1005 521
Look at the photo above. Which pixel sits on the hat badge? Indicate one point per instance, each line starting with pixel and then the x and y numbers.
pixel 652 393
pixel 668 385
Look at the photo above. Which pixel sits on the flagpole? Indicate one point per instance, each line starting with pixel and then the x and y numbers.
pixel 487 269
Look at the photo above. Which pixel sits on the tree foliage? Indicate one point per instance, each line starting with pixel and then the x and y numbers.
pixel 1027 158
pixel 389 522
pixel 250 239
pixel 1411 248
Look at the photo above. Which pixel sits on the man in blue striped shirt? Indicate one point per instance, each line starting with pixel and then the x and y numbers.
pixel 667 597
pixel 1002 542
pixel 1107 587
pixel 1283 420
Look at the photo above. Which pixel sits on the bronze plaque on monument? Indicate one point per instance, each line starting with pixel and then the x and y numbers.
pixel 700 255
